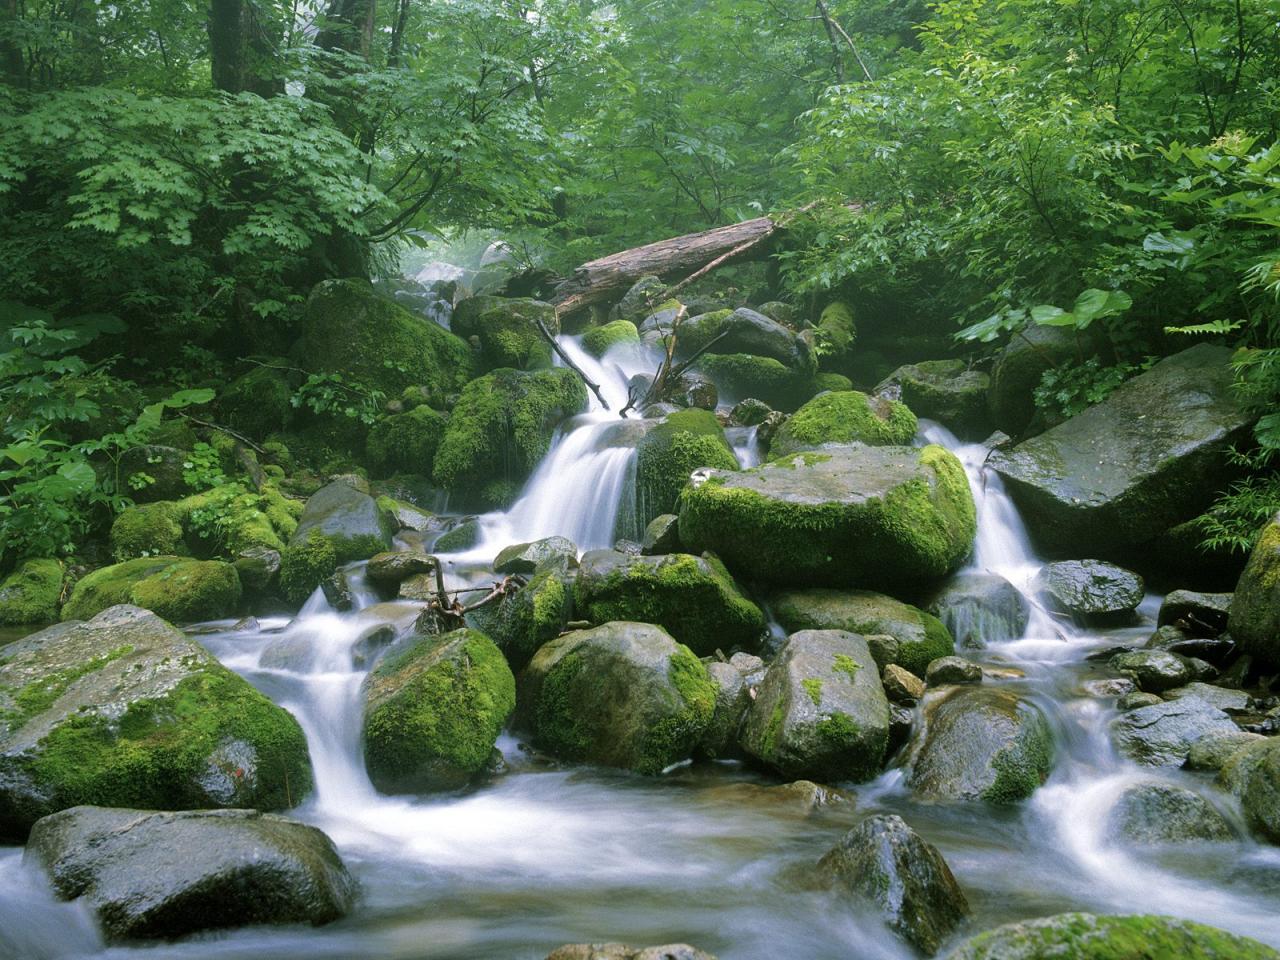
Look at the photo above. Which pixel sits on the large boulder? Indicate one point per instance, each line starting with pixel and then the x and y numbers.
pixel 600 340
pixel 620 695
pixel 743 331
pixel 1018 369
pixel 1162 734
pixel 1082 936
pixel 500 430
pixel 876 517
pixel 175 588
pixel 405 442
pixel 742 375
pixel 1255 607
pixel 1089 589
pixel 160 875
pixel 433 712
pixel 843 417
pixel 32 593
pixel 915 638
pixel 943 390
pixel 1156 813
pixel 533 556
pixel 882 861
pixel 821 712
pixel 124 710
pixel 350 329
pixel 1154 453
pixel 981 608
pixel 667 454
pixel 979 743
pixel 348 519
pixel 1253 774
pixel 507 330
pixel 692 598
pixel 148 530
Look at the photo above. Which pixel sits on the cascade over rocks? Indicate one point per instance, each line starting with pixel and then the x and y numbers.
pixel 86 706
pixel 1151 455
pixel 821 712
pixel 981 608
pixel 619 695
pixel 233 868
pixel 877 517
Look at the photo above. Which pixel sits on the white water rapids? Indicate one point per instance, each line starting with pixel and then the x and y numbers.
pixel 543 855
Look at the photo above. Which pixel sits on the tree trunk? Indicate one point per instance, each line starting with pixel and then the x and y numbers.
pixel 610 277
pixel 349 26
pixel 242 48
pixel 10 53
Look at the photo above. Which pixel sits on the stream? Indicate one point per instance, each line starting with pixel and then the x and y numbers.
pixel 543 855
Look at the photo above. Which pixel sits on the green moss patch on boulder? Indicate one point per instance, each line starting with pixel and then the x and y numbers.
pixel 405 442
pixel 843 418
pixel 350 519
pixel 124 710
pixel 600 340
pixel 32 593
pixel 190 591
pixel 742 375
pixel 535 614
pixel 507 330
pixel 1255 608
pixel 306 565
pixel 149 529
pixel 667 454
pixel 231 518
pixel 111 585
pixel 434 711
pixel 258 404
pixel 835 333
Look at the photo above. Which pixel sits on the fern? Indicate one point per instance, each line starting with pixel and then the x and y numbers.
pixel 1217 327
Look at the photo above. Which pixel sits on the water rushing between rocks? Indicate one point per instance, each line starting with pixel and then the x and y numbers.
pixel 710 854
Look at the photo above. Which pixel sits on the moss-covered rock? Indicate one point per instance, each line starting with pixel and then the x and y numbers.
pixel 305 566
pixel 878 517
pixel 258 403
pixel 919 637
pixel 1018 369
pixel 835 333
pixel 434 711
pixel 125 711
pixel 1252 773
pixel 821 712
pixel 746 332
pixel 149 529
pixel 943 390
pixel 979 743
pixel 154 472
pixel 1255 608
pixel 351 520
pixel 348 328
pixel 405 442
pixel 741 375
pixel 843 418
pixel 825 380
pixel 1082 936
pixel 464 536
pixel 501 428
pixel 532 616
pixel 692 598
pixel 600 340
pixel 639 301
pixel 231 518
pixel 620 695
pixel 31 593
pixel 507 330
pixel 190 591
pixel 111 585
pixel 685 441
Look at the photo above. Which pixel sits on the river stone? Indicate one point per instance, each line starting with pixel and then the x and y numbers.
pixel 1154 453
pixel 1231 701
pixel 981 608
pixel 507 330
pixel 392 568
pixel 1202 611
pixel 873 517
pixel 896 632
pixel 1154 671
pixel 882 861
pixel 1018 369
pixel 1136 699
pixel 620 695
pixel 152 875
pixel 662 535
pixel 743 331
pixel 433 712
pixel 840 418
pixel 349 519
pixel 1160 813
pixel 749 413
pixel 257 568
pixel 1255 607
pixel 1252 773
pixel 901 685
pixel 821 712
pixel 670 452
pixel 1161 735
pixel 1083 936
pixel 1089 588
pixel 952 670
pixel 621 951
pixel 979 743
pixel 1211 753
pixel 166 468
pixel 639 300
pixel 693 598
pixel 526 619
pixel 84 706
pixel 530 557
pixel 943 390
pixel 733 700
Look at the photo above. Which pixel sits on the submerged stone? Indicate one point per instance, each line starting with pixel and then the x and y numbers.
pixel 1161 813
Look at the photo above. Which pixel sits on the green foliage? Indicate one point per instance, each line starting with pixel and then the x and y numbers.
pixel 333 394
pixel 1072 388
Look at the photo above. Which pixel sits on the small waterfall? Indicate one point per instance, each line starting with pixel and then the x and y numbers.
pixel 746 445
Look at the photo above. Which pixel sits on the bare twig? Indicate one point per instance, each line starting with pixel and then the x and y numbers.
pixel 227 430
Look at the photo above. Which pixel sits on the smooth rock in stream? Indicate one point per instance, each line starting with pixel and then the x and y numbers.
pixel 733 699
pixel 1161 813
pixel 620 695
pixel 842 417
pixel 1255 607
pixel 531 557
pixel 1230 701
pixel 980 609
pixel 531 616
pixel 952 670
pixel 621 951
pixel 901 685
pixel 1211 753
pixel 1151 455
pixel 1252 773
pixel 662 535
pixel 1202 610
pixel 821 712
pixel 1089 588
pixel 348 519
pixel 86 706
pixel 882 861
pixel 869 517
pixel 392 568
pixel 979 743
pixel 158 875
pixel 1154 671
pixel 1162 734
pixel 693 598
pixel 943 390
pixel 1083 936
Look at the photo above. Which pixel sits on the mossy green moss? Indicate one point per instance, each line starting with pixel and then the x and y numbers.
pixel 435 711
pixel 743 375
pixel 667 454
pixel 462 537
pixel 669 740
pixel 534 615
pixel 258 403
pixel 31 593
pixel 147 530
pixel 507 330
pixel 600 340
pixel 405 442
pixel 111 585
pixel 562 728
pixel 502 427
pixel 836 332
pixel 844 417
pixel 231 518
pixel 304 566
pixel 190 591
pixel 39 695
pixel 813 687
pixel 832 381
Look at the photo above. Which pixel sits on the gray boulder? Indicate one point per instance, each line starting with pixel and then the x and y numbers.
pixel 979 743
pixel 531 616
pixel 943 390
pixel 981 608
pixel 1199 612
pixel 662 535
pixel 882 861
pixel 821 712
pixel 1161 735
pixel 161 875
pixel 1153 670
pixel 392 568
pixel 1120 474
pixel 1153 813
pixel 1211 753
pixel 952 670
pixel 348 518
pixel 1231 701
pixel 743 331
pixel 531 557
pixel 1089 589
pixel 1253 774
pixel 1017 372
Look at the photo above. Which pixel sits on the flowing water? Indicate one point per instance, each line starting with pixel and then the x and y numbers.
pixel 543 855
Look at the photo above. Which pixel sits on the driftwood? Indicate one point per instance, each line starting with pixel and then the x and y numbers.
pixel 610 277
